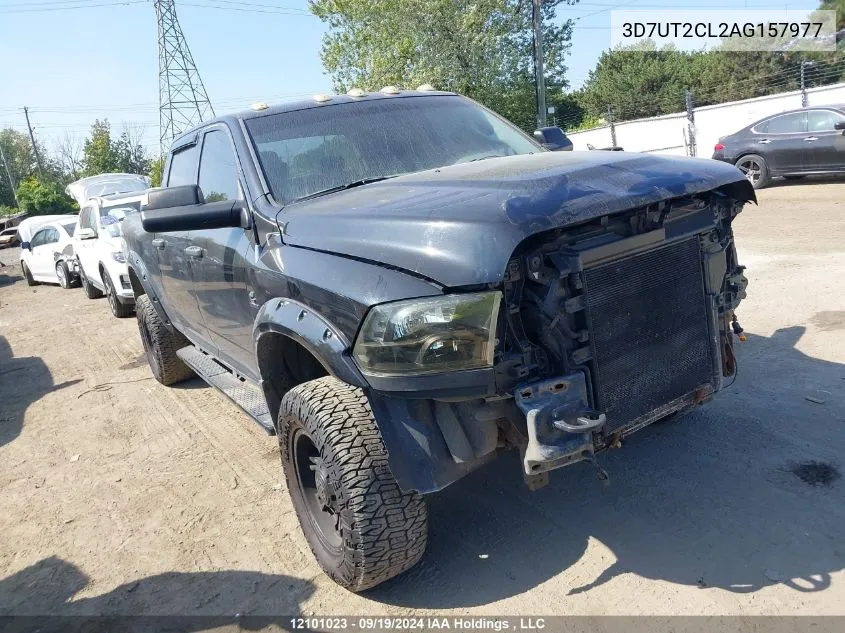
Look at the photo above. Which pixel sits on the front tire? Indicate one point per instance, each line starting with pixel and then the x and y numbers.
pixel 755 169
pixel 361 527
pixel 63 275
pixel 160 344
pixel 90 291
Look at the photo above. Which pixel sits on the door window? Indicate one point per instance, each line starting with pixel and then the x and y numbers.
pixel 788 124
pixel 183 167
pixel 218 169
pixel 38 238
pixel 823 120
pixel 52 236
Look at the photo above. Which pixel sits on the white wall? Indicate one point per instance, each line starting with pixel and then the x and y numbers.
pixel 665 134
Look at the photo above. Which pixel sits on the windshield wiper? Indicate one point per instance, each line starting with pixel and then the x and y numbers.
pixel 349 185
pixel 474 160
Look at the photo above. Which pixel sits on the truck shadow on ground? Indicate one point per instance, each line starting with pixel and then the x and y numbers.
pixel 15 374
pixel 48 587
pixel 711 499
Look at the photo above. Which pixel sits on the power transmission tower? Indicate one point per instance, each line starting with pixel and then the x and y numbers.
pixel 183 102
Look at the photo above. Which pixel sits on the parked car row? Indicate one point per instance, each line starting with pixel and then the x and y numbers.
pixel 86 249
pixel 790 144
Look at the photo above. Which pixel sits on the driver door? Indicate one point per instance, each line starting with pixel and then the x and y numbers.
pixel 38 248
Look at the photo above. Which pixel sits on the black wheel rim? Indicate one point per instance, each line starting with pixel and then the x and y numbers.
pixel 317 489
pixel 752 170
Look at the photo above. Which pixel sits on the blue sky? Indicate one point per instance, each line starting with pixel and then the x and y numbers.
pixel 72 63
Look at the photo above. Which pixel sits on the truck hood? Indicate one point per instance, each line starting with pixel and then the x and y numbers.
pixel 459 225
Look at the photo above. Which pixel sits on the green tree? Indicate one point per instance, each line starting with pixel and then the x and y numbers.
pixel 21 160
pixel 42 197
pixel 479 48
pixel 156 171
pixel 102 154
pixel 98 153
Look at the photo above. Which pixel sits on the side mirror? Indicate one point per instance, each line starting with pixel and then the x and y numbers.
pixel 840 125
pixel 171 197
pixel 26 246
pixel 86 234
pixel 553 138
pixel 185 209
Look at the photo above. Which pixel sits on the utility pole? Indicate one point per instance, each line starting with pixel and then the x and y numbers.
pixel 32 138
pixel 612 125
pixel 9 174
pixel 804 99
pixel 690 121
pixel 539 79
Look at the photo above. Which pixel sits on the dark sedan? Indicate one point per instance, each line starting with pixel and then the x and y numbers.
pixel 790 144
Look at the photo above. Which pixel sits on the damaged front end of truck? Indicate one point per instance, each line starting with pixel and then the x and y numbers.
pixel 618 323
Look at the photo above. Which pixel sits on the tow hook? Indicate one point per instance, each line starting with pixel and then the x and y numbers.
pixel 560 423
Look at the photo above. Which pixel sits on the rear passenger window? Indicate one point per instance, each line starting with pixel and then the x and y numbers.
pixel 183 167
pixel 788 124
pixel 218 170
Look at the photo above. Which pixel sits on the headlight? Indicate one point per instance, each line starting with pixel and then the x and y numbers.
pixel 118 256
pixel 423 336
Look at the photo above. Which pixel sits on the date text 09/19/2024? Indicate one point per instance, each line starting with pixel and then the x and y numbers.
pixel 421 623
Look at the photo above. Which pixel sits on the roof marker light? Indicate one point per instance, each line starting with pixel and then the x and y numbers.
pixel 322 98
pixel 390 90
pixel 426 88
pixel 259 106
pixel 356 92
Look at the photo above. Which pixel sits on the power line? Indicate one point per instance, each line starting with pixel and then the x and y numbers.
pixel 72 7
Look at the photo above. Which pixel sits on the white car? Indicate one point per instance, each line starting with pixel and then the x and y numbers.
pixel 47 250
pixel 99 250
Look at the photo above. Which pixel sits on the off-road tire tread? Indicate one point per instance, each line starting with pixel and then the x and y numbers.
pixel 165 342
pixel 385 530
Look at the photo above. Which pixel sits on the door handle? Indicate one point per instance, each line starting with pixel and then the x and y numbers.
pixel 765 141
pixel 812 138
pixel 194 251
pixel 158 243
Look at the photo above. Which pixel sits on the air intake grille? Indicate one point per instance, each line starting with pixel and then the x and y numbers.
pixel 649 328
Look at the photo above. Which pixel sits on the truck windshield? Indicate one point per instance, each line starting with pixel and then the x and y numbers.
pixel 318 150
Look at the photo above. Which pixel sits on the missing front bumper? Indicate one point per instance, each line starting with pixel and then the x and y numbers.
pixel 560 423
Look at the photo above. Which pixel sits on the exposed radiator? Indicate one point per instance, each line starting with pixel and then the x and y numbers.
pixel 649 330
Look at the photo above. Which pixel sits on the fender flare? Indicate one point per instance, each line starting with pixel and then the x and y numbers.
pixel 138 276
pixel 304 325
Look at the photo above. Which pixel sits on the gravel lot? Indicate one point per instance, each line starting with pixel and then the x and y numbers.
pixel 120 496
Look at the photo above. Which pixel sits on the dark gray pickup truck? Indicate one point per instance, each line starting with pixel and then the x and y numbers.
pixel 401 285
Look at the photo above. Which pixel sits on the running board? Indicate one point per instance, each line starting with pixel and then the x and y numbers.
pixel 246 395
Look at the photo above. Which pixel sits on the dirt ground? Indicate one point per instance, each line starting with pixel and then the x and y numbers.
pixel 120 496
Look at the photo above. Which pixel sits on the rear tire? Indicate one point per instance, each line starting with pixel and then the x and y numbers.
pixel 30 280
pixel 118 309
pixel 755 169
pixel 90 291
pixel 359 524
pixel 63 275
pixel 160 344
